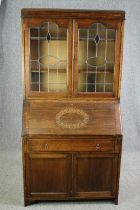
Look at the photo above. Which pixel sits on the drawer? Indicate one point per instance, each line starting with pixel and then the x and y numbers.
pixel 43 145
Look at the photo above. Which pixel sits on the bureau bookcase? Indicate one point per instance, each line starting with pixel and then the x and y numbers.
pixel 71 132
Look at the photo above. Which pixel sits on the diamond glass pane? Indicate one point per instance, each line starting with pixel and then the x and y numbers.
pixel 97 39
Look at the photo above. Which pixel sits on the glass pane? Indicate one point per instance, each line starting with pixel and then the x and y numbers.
pixel 44 87
pixel 35 87
pixel 102 34
pixel 62 33
pixel 35 77
pixel 92 31
pixel 49 27
pixel 100 78
pixel 34 49
pixel 111 51
pixel 82 77
pixel 109 78
pixel 82 34
pixel 43 30
pixel 82 87
pixel 44 81
pixel 90 88
pixel 111 34
pixel 92 69
pixel 108 87
pixel 48 57
pixel 34 32
pixel 90 78
pixel 99 88
pixel 96 58
pixel 34 80
pixel 57 87
pixel 34 66
pixel 91 48
pixel 82 55
pixel 110 67
pixel 101 49
pixel 96 61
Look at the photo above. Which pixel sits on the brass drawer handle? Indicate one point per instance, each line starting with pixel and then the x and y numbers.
pixel 46 146
pixel 98 147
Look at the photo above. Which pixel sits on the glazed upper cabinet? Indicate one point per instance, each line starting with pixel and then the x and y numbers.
pixel 66 57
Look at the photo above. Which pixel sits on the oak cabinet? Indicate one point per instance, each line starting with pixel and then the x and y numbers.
pixel 50 175
pixel 71 134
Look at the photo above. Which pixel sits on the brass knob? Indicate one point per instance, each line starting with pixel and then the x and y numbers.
pixel 97 146
pixel 46 146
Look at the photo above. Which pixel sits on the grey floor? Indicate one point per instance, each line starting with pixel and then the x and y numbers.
pixel 11 190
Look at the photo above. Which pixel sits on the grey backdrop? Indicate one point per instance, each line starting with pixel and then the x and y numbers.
pixel 11 93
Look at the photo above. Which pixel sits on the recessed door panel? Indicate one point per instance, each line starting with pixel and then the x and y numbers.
pixel 94 174
pixel 49 174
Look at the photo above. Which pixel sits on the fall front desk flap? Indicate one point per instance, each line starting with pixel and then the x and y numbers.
pixel 71 118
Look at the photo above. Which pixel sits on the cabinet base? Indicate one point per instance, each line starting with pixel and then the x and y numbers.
pixel 116 200
pixel 29 201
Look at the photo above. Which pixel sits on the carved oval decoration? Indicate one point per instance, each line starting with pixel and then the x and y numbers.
pixel 96 61
pixel 72 118
pixel 49 60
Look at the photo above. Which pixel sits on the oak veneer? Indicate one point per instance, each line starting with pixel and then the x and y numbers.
pixel 72 139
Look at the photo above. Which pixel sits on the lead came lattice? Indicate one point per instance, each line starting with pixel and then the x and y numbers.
pixel 48 65
pixel 98 64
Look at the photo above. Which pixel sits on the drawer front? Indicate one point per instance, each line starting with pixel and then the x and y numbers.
pixel 43 145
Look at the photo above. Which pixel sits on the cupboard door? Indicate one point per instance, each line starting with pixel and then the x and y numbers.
pixel 96 57
pixel 95 175
pixel 48 57
pixel 49 175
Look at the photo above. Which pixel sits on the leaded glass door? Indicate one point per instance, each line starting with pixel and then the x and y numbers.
pixel 49 58
pixel 95 66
